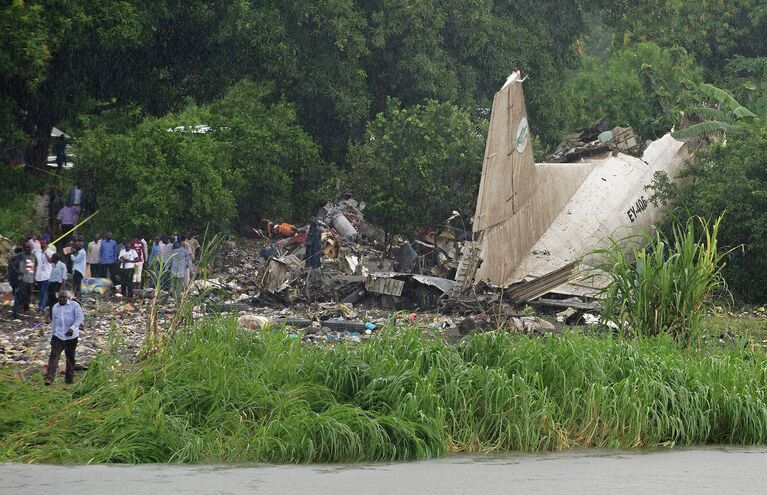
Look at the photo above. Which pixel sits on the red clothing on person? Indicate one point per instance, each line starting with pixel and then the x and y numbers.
pixel 139 248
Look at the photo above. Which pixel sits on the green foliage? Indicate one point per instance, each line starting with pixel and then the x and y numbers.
pixel 220 394
pixel 663 288
pixel 644 86
pixel 711 31
pixel 748 80
pixel 721 109
pixel 730 179
pixel 16 212
pixel 254 162
pixel 418 164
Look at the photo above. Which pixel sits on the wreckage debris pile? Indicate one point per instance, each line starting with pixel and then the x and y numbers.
pixel 357 267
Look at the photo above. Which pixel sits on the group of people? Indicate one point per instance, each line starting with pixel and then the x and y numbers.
pixel 38 264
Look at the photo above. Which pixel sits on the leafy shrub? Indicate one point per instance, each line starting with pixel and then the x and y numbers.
pixel 730 179
pixel 418 164
pixel 255 161
pixel 662 288
pixel 644 86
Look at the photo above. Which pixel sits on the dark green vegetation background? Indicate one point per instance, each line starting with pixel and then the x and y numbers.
pixel 388 99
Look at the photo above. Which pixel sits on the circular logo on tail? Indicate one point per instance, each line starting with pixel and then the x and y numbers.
pixel 522 136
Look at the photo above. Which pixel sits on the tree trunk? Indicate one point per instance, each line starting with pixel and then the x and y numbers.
pixel 37 154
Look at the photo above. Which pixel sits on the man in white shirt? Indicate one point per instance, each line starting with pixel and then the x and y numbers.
pixel 127 260
pixel 56 281
pixel 43 273
pixel 65 330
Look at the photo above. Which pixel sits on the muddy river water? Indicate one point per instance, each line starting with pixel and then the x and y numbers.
pixel 711 470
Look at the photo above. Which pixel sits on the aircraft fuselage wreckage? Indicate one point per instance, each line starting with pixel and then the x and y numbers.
pixel 537 220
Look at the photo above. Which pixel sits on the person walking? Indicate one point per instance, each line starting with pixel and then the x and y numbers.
pixel 127 260
pixel 43 274
pixel 78 268
pixel 108 257
pixel 92 269
pixel 67 316
pixel 26 264
pixel 56 280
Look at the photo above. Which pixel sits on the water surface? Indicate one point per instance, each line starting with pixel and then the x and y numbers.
pixel 694 471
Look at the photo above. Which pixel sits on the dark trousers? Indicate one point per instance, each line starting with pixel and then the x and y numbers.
pixel 42 295
pixel 95 270
pixel 58 345
pixel 22 297
pixel 126 281
pixel 53 290
pixel 77 279
pixel 111 270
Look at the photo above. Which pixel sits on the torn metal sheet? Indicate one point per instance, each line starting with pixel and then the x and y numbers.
pixel 384 283
pixel 443 284
pixel 538 286
pixel 280 272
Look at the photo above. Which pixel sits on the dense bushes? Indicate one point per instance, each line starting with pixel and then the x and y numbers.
pixel 644 86
pixel 220 394
pixel 253 160
pixel 730 179
pixel 416 165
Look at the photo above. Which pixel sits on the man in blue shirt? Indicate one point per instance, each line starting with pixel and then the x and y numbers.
pixel 65 330
pixel 108 257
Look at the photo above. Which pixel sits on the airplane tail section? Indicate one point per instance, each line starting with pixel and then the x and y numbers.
pixel 508 171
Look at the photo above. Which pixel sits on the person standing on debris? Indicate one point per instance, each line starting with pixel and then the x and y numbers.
pixel 43 274
pixel 26 264
pixel 192 245
pixel 180 269
pixel 92 258
pixel 78 267
pixel 312 257
pixel 166 251
pixel 108 257
pixel 34 243
pixel 137 245
pixel 127 259
pixel 56 281
pixel 75 195
pixel 67 316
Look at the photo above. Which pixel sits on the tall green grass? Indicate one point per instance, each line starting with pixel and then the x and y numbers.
pixel 217 393
pixel 662 287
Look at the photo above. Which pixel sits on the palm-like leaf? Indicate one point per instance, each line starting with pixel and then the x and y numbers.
pixel 708 127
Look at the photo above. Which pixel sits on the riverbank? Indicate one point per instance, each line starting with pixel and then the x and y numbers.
pixel 219 393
